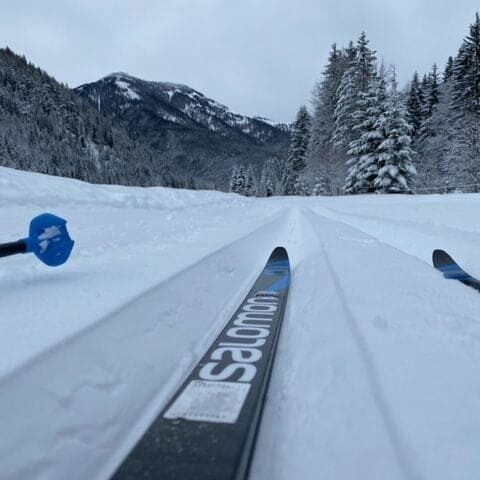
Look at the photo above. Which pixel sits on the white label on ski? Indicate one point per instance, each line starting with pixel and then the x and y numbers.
pixel 204 401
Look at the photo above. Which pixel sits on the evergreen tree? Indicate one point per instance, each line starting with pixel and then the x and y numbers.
pixel 432 93
pixel 396 170
pixel 415 105
pixel 365 61
pixel 301 188
pixel 432 99
pixel 356 80
pixel 241 180
pixel 435 143
pixel 349 54
pixel 234 180
pixel 347 98
pixel 318 187
pixel 268 179
pixel 296 160
pixel 262 184
pixel 463 154
pixel 466 72
pixel 250 188
pixel 424 85
pixel 323 159
pixel 448 73
pixel 364 150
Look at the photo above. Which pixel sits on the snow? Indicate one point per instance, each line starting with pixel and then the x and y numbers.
pixel 376 374
pixel 126 89
pixel 170 93
pixel 268 121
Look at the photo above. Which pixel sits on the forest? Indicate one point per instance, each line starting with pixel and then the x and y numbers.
pixel 365 135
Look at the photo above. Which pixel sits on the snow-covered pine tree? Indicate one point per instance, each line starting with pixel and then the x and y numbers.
pixel 262 184
pixel 347 98
pixel 318 187
pixel 432 144
pixel 234 180
pixel 424 84
pixel 463 154
pixel 278 167
pixel 349 54
pixel 364 150
pixel 296 159
pixel 448 72
pixel 365 62
pixel 466 72
pixel 432 99
pixel 268 179
pixel 241 180
pixel 415 105
pixel 250 188
pixel 432 93
pixel 190 184
pixel 323 158
pixel 355 80
pixel 301 188
pixel 396 171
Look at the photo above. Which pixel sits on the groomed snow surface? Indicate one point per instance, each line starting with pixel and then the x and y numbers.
pixel 377 371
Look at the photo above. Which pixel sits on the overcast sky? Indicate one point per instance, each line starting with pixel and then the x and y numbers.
pixel 259 57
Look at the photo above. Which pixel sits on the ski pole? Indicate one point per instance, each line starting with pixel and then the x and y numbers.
pixel 48 240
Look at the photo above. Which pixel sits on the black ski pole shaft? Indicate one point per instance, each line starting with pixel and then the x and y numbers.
pixel 12 248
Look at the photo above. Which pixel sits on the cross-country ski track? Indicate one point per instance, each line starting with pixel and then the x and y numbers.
pixel 376 374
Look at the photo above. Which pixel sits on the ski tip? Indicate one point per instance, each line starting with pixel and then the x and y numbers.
pixel 441 258
pixel 279 253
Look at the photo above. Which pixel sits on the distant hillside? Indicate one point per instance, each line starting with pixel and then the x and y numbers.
pixel 193 134
pixel 46 127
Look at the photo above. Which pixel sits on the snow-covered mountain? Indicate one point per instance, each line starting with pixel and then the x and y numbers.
pixel 196 137
pixel 122 94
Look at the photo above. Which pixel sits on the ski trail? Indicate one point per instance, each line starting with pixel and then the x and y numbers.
pixel 411 241
pixel 415 238
pixel 393 432
pixel 421 359
pixel 421 227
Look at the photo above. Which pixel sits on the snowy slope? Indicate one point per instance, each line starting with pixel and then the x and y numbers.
pixel 377 370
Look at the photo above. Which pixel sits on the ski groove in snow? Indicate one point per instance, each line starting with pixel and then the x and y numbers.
pixel 393 432
pixel 422 236
pixel 340 406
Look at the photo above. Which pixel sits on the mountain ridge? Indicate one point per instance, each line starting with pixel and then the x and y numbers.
pixel 200 110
